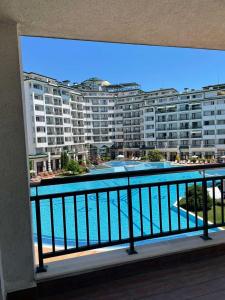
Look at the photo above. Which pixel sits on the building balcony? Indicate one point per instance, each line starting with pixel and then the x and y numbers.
pixel 209 145
pixel 89 239
pixel 175 269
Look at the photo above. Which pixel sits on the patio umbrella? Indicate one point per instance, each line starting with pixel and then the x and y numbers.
pixel 194 156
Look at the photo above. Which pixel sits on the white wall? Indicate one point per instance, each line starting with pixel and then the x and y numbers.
pixel 15 217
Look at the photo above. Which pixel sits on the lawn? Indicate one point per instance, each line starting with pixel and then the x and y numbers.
pixel 210 214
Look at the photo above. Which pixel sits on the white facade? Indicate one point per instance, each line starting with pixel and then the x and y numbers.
pixel 93 116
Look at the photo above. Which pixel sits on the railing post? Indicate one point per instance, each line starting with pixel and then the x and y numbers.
pixel 205 235
pixel 131 249
pixel 41 267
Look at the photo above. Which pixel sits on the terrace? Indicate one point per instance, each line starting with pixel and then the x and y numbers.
pixel 130 212
pixel 115 272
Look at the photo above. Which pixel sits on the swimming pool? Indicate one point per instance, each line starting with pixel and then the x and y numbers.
pixel 77 233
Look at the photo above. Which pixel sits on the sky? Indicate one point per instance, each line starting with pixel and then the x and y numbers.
pixel 153 67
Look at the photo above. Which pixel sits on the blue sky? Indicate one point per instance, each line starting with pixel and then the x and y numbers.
pixel 153 67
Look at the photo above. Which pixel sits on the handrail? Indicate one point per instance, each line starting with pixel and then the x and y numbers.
pixel 122 187
pixel 127 174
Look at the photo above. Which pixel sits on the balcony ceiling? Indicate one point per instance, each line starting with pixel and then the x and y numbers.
pixel 185 23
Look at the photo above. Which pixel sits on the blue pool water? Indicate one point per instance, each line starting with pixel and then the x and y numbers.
pixel 114 219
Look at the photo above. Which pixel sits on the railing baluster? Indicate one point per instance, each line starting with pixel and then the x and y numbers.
pixel 141 213
pixel 150 209
pixel 87 219
pixel 109 218
pixel 160 208
pixel 169 211
pixel 214 202
pixel 41 267
pixel 119 216
pixel 64 223
pixel 75 221
pixel 205 235
pixel 98 218
pixel 52 225
pixel 178 205
pixel 195 202
pixel 187 205
pixel 222 203
pixel 131 249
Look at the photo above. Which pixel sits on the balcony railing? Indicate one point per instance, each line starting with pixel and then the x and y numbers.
pixel 121 212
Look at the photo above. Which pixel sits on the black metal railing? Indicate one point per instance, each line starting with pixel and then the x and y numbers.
pixel 143 205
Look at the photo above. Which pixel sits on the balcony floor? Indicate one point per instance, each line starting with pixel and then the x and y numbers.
pixel 171 273
pixel 196 280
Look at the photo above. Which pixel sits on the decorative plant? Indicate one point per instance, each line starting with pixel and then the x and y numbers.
pixel 73 167
pixel 177 158
pixel 191 193
pixel 155 155
pixel 64 160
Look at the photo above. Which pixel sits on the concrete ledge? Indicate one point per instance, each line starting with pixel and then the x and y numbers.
pixel 101 267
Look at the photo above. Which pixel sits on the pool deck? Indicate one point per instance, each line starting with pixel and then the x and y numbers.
pixel 187 268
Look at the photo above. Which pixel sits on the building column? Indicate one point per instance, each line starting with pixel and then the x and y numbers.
pixel 2 288
pixel 168 155
pixel 49 162
pixel 35 166
pixel 44 165
pixel 16 240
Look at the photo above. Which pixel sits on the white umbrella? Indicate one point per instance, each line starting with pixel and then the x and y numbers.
pixel 120 156
pixel 194 156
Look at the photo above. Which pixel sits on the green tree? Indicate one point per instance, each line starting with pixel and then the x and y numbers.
pixel 199 199
pixel 177 157
pixel 154 155
pixel 73 167
pixel 64 160
pixel 30 164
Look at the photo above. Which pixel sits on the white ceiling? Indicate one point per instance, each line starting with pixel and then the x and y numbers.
pixel 185 23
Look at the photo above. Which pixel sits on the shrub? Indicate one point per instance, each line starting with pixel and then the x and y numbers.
pixel 177 158
pixel 199 199
pixel 155 155
pixel 144 157
pixel 64 160
pixel 73 167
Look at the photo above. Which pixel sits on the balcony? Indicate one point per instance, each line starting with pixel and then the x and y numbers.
pixel 98 223
pixel 201 279
pixel 96 215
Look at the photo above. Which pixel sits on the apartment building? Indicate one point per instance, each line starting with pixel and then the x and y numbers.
pixel 55 121
pixel 97 118
pixel 188 123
